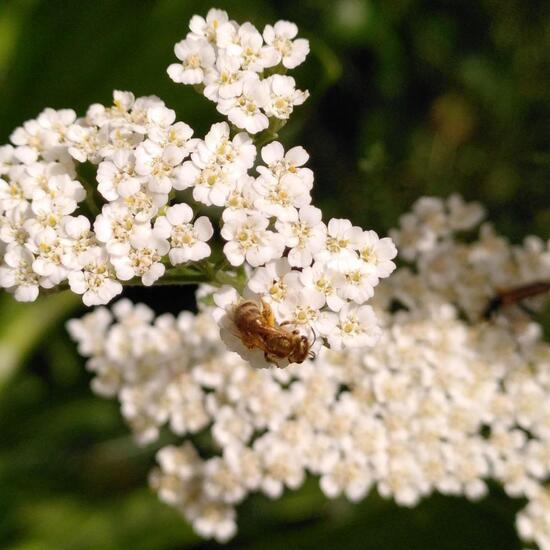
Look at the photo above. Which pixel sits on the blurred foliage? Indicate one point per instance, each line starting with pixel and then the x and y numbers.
pixel 409 97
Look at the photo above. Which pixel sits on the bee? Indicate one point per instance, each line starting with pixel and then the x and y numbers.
pixel 257 328
pixel 513 296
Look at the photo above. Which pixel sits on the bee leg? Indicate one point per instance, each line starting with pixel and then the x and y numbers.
pixel 293 324
pixel 527 309
pixel 270 360
pixel 267 314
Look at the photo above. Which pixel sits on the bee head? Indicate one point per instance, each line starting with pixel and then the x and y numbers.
pixel 301 348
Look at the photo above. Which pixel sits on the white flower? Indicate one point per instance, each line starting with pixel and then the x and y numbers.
pixel 96 282
pixel 17 275
pixel 157 164
pixel 47 212
pixel 274 281
pixel 196 56
pixel 224 79
pixel 32 138
pixel 90 331
pixel 60 189
pixel 7 158
pixel 325 281
pixel 359 281
pixel 12 195
pixel 208 27
pixel 179 135
pixel 187 240
pixel 238 153
pixel 85 142
pixel 346 476
pixel 160 117
pixel 279 197
pixel 127 112
pixel 117 139
pixel 79 242
pixel 248 239
pixel 215 520
pixel 464 216
pixel 281 37
pixel 12 228
pixel 221 483
pixel 249 47
pixel 211 183
pixel 302 307
pixel 243 195
pixel 304 234
pixel 99 115
pixel 443 402
pixel 245 109
pixel 117 177
pixel 283 96
pixel 115 227
pixel 340 244
pixel 183 461
pixel 216 165
pixel 143 205
pixel 182 403
pixel 144 258
pixel 231 428
pixel 48 251
pixel 377 252
pixel 353 326
pixel 245 462
pixel 533 523
pixel 35 179
pixel 56 122
pixel 282 466
pixel 280 164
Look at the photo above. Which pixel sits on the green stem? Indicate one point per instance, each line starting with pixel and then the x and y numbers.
pixel 235 280
pixel 176 277
pixel 271 133
pixel 203 272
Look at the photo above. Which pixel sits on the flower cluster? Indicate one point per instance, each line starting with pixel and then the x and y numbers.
pixel 467 274
pixel 109 199
pixel 316 276
pixel 313 275
pixel 442 403
pixel 51 228
pixel 241 69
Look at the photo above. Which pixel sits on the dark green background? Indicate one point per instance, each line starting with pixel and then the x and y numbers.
pixel 409 97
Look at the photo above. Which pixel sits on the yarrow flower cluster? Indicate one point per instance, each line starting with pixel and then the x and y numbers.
pixel 52 232
pixel 446 401
pixel 327 272
pixel 111 199
pixel 241 69
pixel 470 274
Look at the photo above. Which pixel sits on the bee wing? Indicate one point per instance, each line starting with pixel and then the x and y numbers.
pixel 251 340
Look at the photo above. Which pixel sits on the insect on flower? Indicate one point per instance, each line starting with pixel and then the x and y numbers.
pixel 515 296
pixel 257 328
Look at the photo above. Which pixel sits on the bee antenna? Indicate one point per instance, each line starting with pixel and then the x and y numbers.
pixel 314 336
